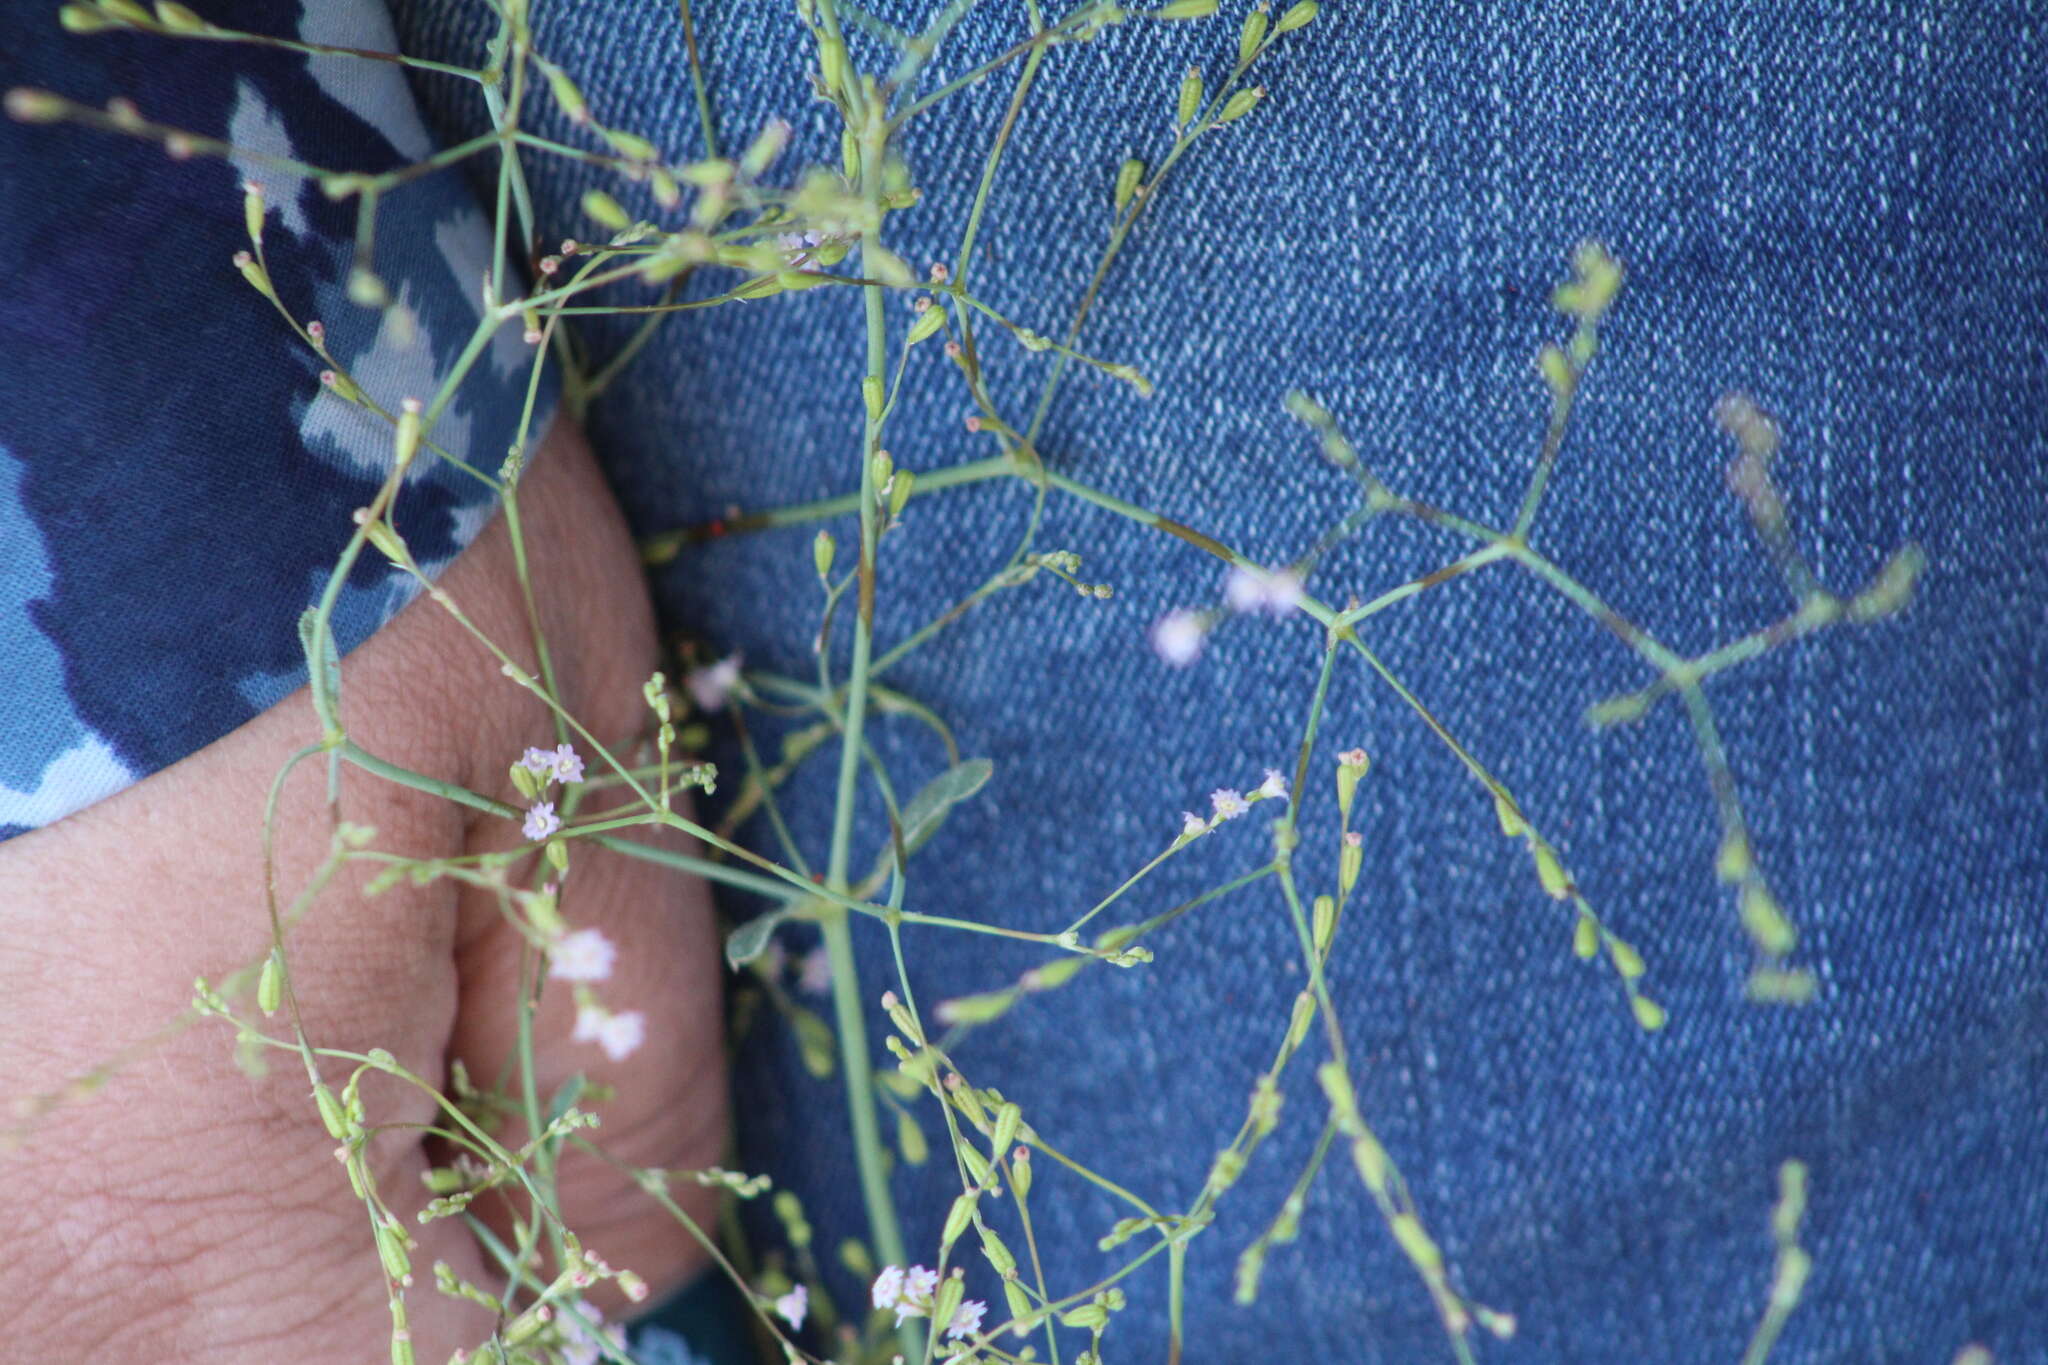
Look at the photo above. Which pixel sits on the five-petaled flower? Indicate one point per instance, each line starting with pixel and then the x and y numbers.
pixel 888 1286
pixel 791 1306
pixel 966 1318
pixel 1228 804
pixel 541 821
pixel 586 955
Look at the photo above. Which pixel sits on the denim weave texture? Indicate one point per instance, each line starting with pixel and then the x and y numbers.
pixel 1837 209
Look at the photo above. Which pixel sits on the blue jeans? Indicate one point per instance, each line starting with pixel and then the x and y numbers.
pixel 1840 215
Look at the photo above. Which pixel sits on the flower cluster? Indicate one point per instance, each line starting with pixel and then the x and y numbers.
pixel 1273 591
pixel 535 771
pixel 1228 803
pixel 910 1294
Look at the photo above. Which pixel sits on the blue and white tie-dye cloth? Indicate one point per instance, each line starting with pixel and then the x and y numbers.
pixel 175 482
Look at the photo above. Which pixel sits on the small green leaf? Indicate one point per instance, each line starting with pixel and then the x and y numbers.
pixel 929 808
pixel 750 940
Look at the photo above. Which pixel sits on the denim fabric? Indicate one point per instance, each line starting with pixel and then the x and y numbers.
pixel 1836 208
pixel 175 482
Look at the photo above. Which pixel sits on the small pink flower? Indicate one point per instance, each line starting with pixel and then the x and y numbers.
pixel 586 955
pixel 888 1287
pixel 1276 591
pixel 709 687
pixel 919 1284
pixel 568 764
pixel 1274 786
pixel 1177 638
pixel 966 1318
pixel 538 761
pixel 622 1034
pixel 814 973
pixel 1192 824
pixel 541 821
pixel 790 1307
pixel 1228 804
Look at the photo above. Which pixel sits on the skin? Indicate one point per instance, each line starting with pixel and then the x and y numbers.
pixel 188 1212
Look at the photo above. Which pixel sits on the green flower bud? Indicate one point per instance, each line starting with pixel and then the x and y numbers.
pixel 1324 922
pixel 958 1217
pixel 1299 15
pixel 1585 938
pixel 1241 103
pixel 1251 34
pixel 605 210
pixel 1352 765
pixel 1557 884
pixel 252 212
pixel 1649 1014
pixel 331 1115
pixel 928 322
pixel 1350 860
pixel 631 145
pixel 567 96
pixel 270 984
pixel 1127 177
pixel 1008 1119
pixel 1190 102
pixel 177 18
pixel 900 488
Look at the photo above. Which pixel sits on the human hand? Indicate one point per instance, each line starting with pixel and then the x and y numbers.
pixel 190 1211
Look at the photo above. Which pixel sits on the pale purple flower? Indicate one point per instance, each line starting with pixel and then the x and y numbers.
pixel 966 1318
pixel 581 1346
pixel 888 1290
pixel 621 1034
pixel 539 761
pixel 798 248
pixel 710 686
pixel 1275 785
pixel 919 1285
pixel 814 972
pixel 1192 824
pixel 567 763
pixel 1276 591
pixel 541 821
pixel 1229 804
pixel 1177 637
pixel 586 955
pixel 791 1306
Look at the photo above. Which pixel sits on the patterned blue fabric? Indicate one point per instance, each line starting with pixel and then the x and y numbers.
pixel 175 482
